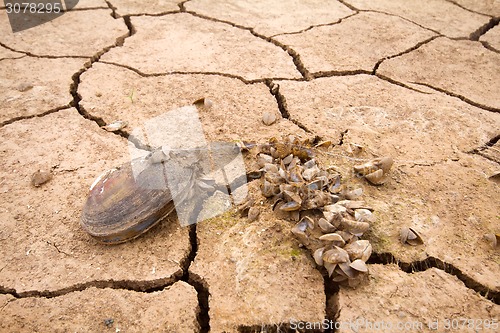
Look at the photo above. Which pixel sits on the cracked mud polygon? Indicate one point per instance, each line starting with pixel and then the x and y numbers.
pixel 418 83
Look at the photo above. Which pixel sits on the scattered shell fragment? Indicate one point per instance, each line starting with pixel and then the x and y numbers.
pixel 364 215
pixel 410 236
pixel 324 144
pixel 290 206
pixel 115 126
pixel 263 159
pixel 245 206
pixel 495 177
pixel 40 177
pixel 375 171
pixel 299 231
pixel 287 160
pixel 203 102
pixel 333 218
pixel 354 194
pixel 354 148
pixel 268 189
pixel 253 213
pixel 310 173
pixel 346 236
pixel 268 118
pixel 494 239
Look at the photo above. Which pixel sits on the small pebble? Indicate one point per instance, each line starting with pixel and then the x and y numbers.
pixel 268 118
pixel 40 177
pixel 108 322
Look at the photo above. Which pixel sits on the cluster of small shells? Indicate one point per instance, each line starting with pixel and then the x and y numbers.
pixel 330 219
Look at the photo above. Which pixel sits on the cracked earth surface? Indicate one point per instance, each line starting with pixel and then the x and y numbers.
pixel 416 82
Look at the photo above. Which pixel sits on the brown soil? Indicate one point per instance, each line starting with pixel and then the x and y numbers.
pixel 418 83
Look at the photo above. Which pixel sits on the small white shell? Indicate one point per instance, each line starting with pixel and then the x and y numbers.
pixel 309 164
pixel 335 255
pixel 364 215
pixel 270 168
pixel 208 103
pixel 318 256
pixel 335 208
pixel 310 173
pixel 325 226
pixel 115 126
pixel 287 160
pixel 263 159
pixel 352 204
pixel 333 237
pixel 359 265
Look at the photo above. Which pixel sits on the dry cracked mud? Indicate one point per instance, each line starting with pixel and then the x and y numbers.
pixel 416 82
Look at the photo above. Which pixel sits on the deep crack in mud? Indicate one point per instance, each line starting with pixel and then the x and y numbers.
pixel 197 282
pixel 132 285
pixel 432 262
pixel 484 29
pixel 411 49
pixel 463 98
pixel 274 89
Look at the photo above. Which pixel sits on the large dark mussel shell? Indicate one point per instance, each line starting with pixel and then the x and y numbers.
pixel 122 205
